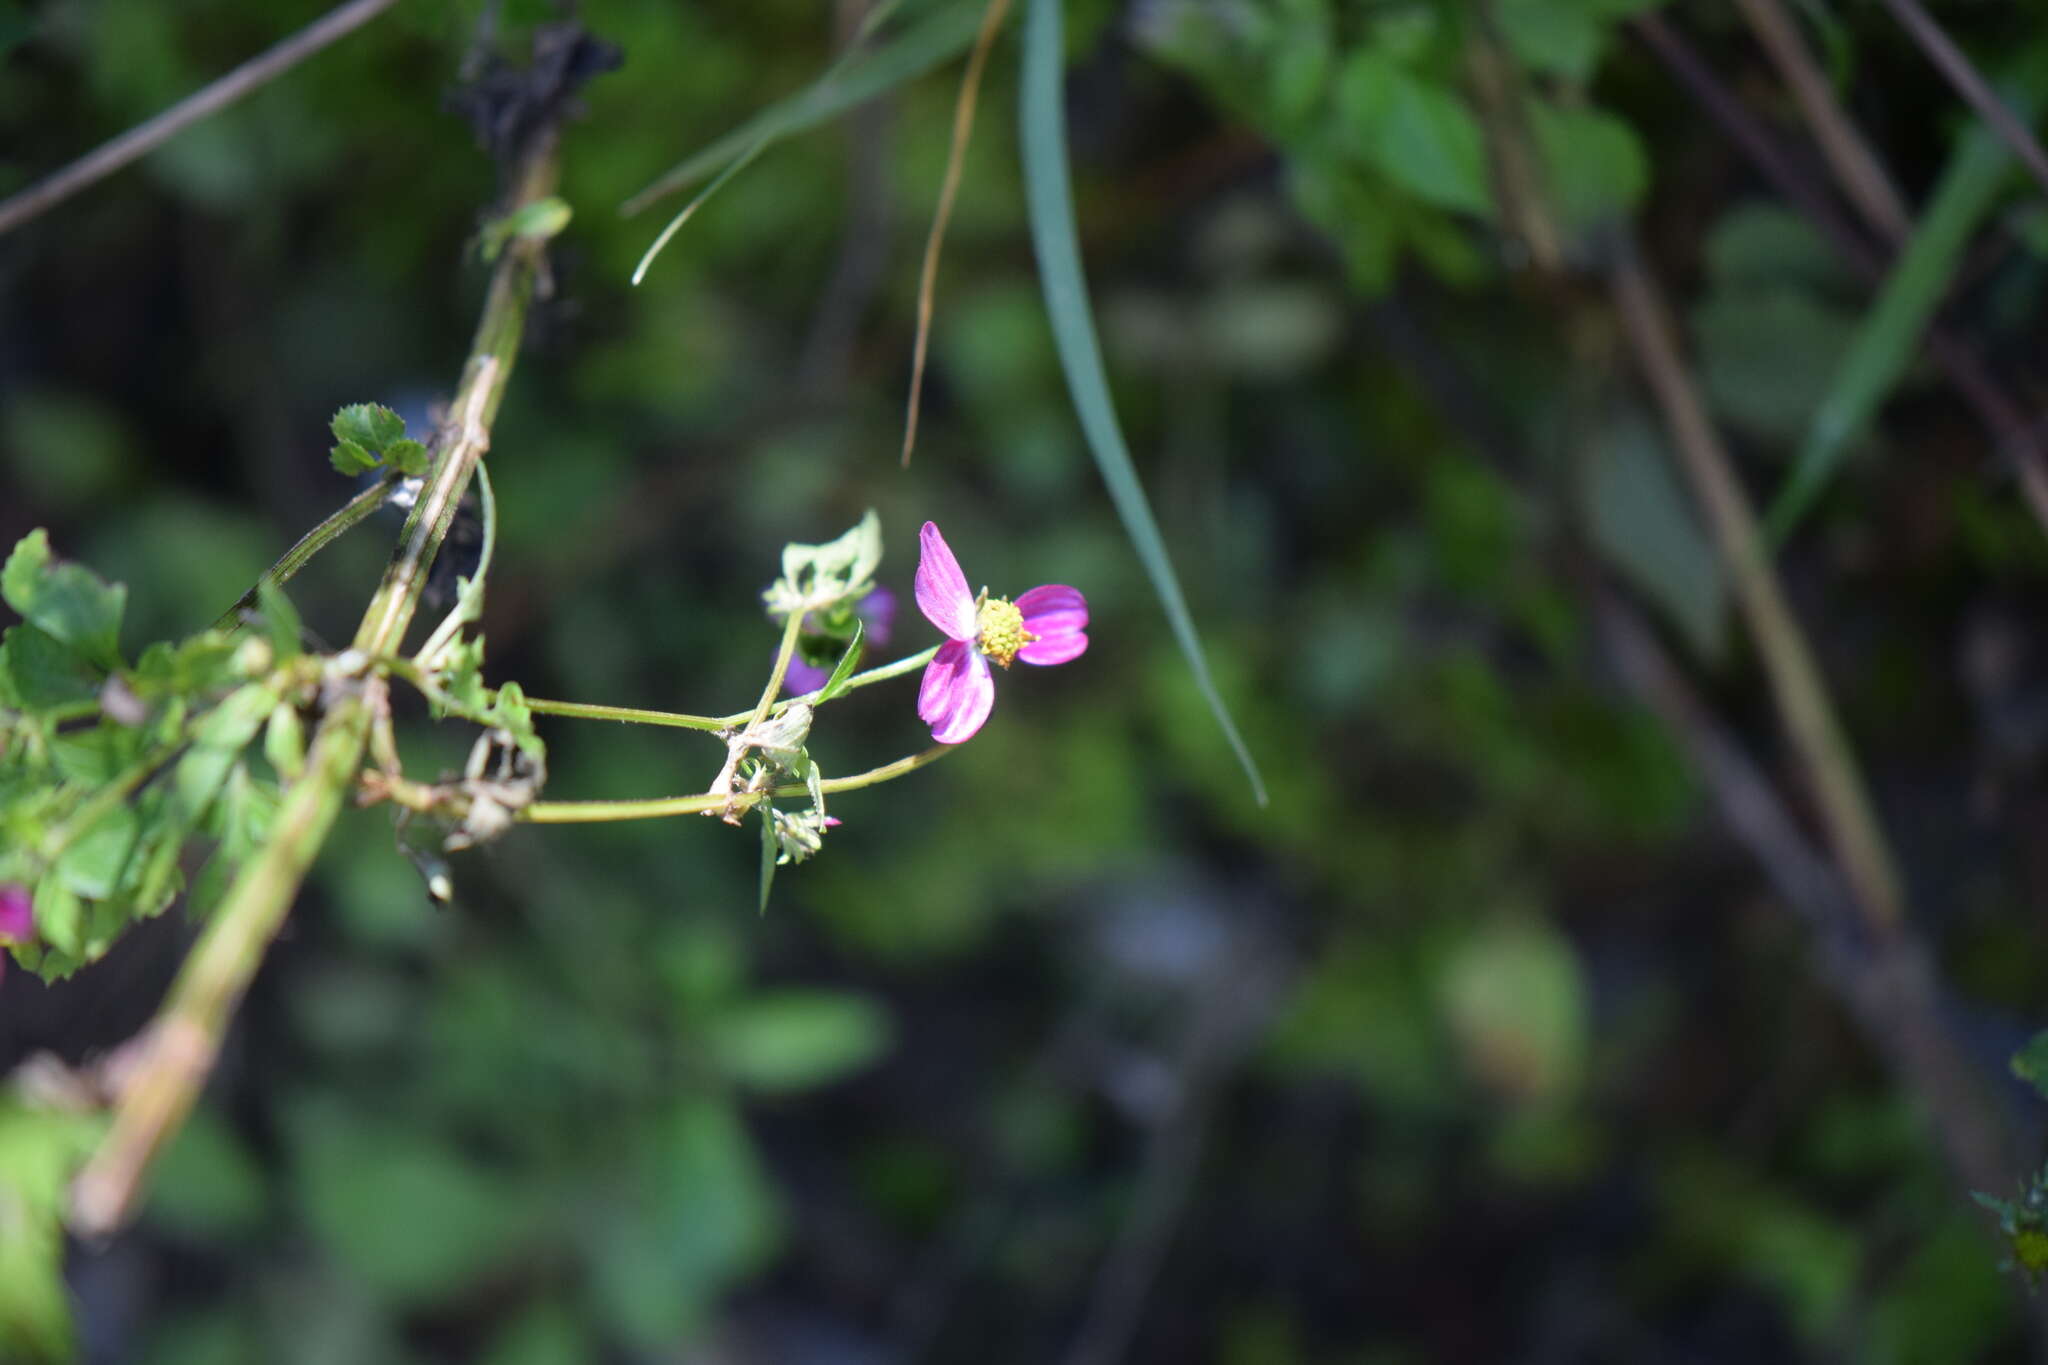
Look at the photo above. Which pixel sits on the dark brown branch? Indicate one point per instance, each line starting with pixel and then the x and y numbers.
pixel 144 138
pixel 2016 440
pixel 1950 61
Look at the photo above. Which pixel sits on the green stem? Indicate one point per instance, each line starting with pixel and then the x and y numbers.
pixel 590 711
pixel 780 671
pixel 469 605
pixel 349 515
pixel 186 1036
pixel 595 812
pixel 683 720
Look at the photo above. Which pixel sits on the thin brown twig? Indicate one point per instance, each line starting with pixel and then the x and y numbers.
pixel 146 137
pixel 1856 167
pixel 2015 436
pixel 1796 685
pixel 1887 984
pixel 956 161
pixel 1975 90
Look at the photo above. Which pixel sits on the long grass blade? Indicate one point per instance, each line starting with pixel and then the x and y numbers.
pixel 853 80
pixel 1053 236
pixel 1890 333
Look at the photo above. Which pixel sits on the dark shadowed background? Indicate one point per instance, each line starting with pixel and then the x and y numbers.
pixel 1485 1041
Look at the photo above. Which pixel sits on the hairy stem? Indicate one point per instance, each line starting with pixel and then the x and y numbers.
pixel 349 515
pixel 186 1036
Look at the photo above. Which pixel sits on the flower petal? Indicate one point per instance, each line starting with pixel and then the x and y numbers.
pixel 1053 609
pixel 878 612
pixel 1056 614
pixel 1055 649
pixel 956 694
pixel 803 677
pixel 17 914
pixel 942 592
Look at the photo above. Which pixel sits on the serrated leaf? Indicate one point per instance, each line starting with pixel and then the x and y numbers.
pixel 280 620
pixel 407 457
pixel 349 457
pixel 69 602
pixel 843 670
pixel 371 426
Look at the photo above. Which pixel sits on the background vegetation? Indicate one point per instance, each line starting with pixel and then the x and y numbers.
pixel 1512 1029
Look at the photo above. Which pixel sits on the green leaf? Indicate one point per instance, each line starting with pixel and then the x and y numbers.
pixel 1042 113
pixel 67 601
pixel 795 1040
pixel 369 425
pixel 351 459
pixel 843 670
pixel 1420 135
pixel 699 1213
pixel 2030 1063
pixel 41 673
pixel 408 457
pixel 1890 332
pixel 539 220
pixel 1559 36
pixel 1644 524
pixel 280 620
pixel 412 1219
pixel 60 914
pixel 1595 163
pixel 39 1151
pixel 284 742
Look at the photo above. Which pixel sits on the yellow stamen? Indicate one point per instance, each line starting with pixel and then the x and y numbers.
pixel 1002 631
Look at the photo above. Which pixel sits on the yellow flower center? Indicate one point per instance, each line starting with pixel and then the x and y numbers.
pixel 1002 631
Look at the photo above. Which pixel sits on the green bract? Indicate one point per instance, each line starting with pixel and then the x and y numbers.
pixel 817 577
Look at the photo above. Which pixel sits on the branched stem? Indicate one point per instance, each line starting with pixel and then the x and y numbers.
pixel 682 720
pixel 595 812
pixel 186 1036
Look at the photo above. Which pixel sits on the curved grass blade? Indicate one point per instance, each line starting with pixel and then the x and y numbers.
pixel 1043 119
pixel 1890 333
pixel 854 79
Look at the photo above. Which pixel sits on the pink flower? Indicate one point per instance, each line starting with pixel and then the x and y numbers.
pixel 17 917
pixel 17 914
pixel 877 613
pixel 1044 626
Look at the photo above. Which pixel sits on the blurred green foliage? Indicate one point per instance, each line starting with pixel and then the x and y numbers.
pixel 1543 1071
